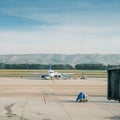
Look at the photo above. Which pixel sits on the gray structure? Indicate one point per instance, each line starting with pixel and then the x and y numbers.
pixel 113 83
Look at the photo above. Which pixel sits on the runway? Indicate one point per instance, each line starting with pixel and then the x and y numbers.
pixel 22 99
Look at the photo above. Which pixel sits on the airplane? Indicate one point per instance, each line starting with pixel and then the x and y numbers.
pixel 51 75
pixel 54 75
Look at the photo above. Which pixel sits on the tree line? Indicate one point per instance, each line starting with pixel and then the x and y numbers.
pixel 54 67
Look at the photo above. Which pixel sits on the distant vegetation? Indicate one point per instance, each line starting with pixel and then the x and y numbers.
pixel 90 67
pixel 54 67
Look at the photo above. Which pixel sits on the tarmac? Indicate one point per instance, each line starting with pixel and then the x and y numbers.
pixel 23 99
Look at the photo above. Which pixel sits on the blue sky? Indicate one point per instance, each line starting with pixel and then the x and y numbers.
pixel 59 26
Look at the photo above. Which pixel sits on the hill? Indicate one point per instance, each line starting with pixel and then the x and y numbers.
pixel 61 58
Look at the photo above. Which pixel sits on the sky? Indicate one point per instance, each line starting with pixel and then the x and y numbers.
pixel 59 26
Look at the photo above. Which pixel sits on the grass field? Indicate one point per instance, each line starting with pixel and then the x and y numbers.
pixel 71 73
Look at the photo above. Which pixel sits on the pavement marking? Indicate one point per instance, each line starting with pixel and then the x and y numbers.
pixel 53 94
pixel 24 108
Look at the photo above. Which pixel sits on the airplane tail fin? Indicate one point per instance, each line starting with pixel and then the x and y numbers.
pixel 50 66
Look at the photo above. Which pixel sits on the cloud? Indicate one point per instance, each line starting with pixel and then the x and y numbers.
pixel 63 12
pixel 61 39
pixel 63 26
pixel 54 33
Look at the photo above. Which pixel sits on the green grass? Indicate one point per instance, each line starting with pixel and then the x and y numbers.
pixel 31 73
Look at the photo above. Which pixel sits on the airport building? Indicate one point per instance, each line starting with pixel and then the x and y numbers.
pixel 113 84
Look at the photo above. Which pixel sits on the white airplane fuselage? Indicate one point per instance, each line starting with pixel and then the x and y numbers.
pixel 51 73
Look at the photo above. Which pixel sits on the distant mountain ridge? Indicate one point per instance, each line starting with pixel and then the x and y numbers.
pixel 112 59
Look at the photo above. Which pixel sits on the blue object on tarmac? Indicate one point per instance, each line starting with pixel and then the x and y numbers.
pixel 80 96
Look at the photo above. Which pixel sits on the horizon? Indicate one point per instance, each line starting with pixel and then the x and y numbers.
pixel 59 27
